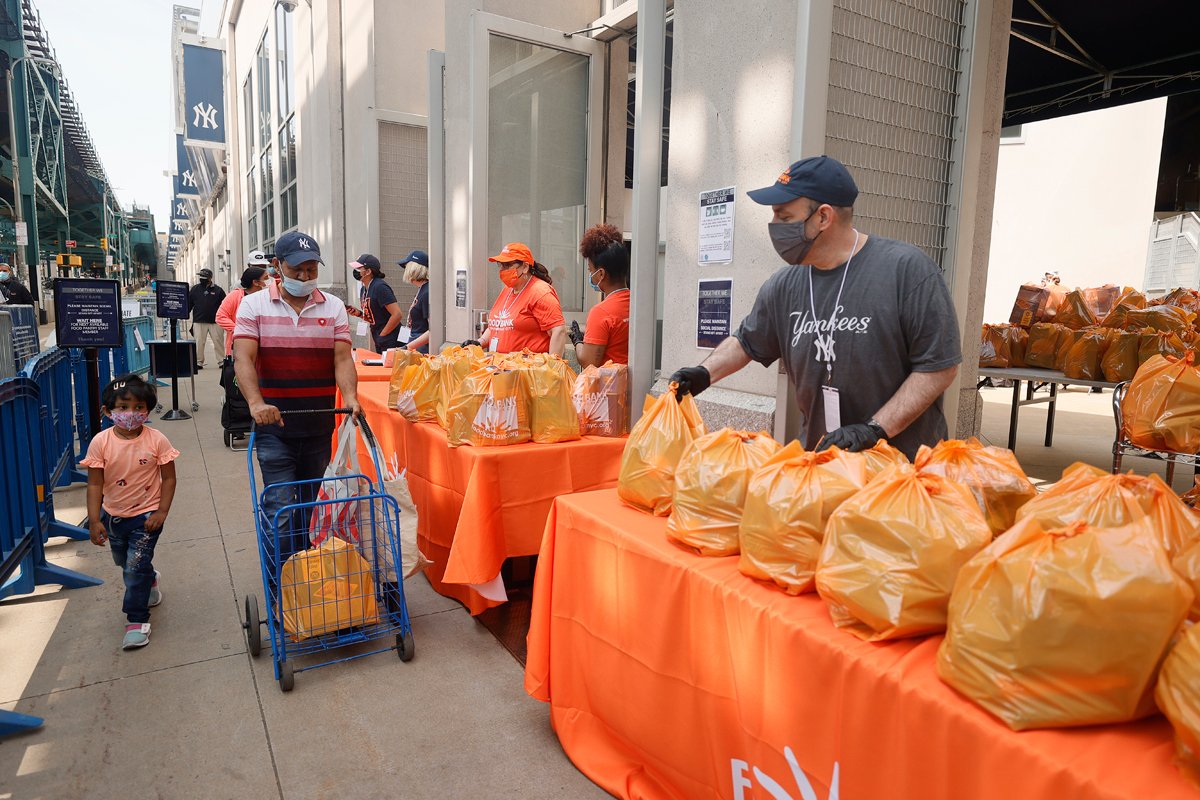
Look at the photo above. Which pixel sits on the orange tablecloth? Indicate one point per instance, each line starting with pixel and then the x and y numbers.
pixel 370 373
pixel 477 506
pixel 674 676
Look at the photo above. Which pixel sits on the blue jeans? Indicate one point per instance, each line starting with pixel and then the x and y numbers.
pixel 282 460
pixel 133 551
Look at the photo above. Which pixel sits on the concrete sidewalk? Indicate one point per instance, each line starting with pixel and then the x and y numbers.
pixel 194 716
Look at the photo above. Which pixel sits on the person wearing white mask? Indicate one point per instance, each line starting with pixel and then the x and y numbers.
pixel 291 352
pixel 11 289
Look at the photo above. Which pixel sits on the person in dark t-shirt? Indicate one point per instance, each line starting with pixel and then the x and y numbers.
pixel 378 303
pixel 864 325
pixel 416 272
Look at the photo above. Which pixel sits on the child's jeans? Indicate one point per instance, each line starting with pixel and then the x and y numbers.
pixel 133 551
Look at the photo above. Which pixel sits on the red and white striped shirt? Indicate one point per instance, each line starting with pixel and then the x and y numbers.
pixel 295 353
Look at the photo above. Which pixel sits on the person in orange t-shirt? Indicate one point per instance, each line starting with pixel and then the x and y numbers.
pixel 528 314
pixel 606 335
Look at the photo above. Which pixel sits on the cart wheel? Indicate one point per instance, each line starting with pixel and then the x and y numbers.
pixel 158 408
pixel 287 679
pixel 405 647
pixel 253 626
pixel 195 406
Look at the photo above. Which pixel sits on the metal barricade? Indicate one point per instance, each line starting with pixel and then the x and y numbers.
pixel 26 343
pixel 8 361
pixel 83 416
pixel 23 527
pixel 135 353
pixel 52 371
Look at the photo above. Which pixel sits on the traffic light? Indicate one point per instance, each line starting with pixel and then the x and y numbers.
pixel 103 242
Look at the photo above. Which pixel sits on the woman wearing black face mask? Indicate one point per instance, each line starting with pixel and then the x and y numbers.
pixel 379 306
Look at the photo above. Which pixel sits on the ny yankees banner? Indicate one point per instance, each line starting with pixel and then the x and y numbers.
pixel 185 173
pixel 203 96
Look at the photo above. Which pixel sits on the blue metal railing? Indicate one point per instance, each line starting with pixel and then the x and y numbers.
pixel 52 371
pixel 24 523
pixel 135 354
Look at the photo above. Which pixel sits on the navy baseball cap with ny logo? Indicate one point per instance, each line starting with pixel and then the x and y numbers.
pixel 295 248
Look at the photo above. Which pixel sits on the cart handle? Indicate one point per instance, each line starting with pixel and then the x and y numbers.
pixel 360 420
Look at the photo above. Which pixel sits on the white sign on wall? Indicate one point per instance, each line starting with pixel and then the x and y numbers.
pixel 716 227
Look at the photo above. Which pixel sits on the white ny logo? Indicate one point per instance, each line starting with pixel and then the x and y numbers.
pixel 205 116
pixel 825 348
pixel 304 244
pixel 181 209
pixel 181 225
pixel 188 178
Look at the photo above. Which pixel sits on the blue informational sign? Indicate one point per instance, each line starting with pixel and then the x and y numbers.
pixel 203 95
pixel 185 176
pixel 87 312
pixel 714 312
pixel 172 300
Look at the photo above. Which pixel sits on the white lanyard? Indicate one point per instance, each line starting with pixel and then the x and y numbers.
pixel 513 298
pixel 615 291
pixel 825 344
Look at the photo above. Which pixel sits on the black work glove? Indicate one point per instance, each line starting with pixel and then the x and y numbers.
pixel 469 342
pixel 854 438
pixel 691 380
pixel 574 334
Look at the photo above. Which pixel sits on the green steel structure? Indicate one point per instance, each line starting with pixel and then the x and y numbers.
pixel 65 193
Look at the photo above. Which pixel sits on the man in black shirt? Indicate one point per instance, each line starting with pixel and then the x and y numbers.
pixel 205 298
pixel 11 289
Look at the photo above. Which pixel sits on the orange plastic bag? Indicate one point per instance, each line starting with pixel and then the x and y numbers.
pixel 710 489
pixel 1053 627
pixel 891 554
pixel 788 502
pixel 995 350
pixel 489 410
pixel 420 390
pixel 1099 498
pixel 1186 299
pixel 1018 340
pixel 1101 299
pixel 325 589
pixel 1160 343
pixel 656 443
pixel 601 397
pixel 1120 360
pixel 401 360
pixel 1030 298
pixel 880 457
pixel 552 414
pixel 1042 348
pixel 1074 312
pixel 1161 409
pixel 1085 356
pixel 1160 318
pixel 1178 696
pixel 1187 565
pixel 991 473
pixel 1051 302
pixel 456 364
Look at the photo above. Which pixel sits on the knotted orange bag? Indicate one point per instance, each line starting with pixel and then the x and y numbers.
pixel 419 392
pixel 880 457
pixel 1018 341
pixel 1052 627
pixel 1161 409
pixel 1160 343
pixel 656 443
pixel 1120 360
pixel 1074 311
pixel 1187 565
pixel 788 502
pixel 1160 318
pixel 402 359
pixel 1099 498
pixel 891 554
pixel 991 473
pixel 1042 348
pixel 548 382
pixel 1178 696
pixel 1086 354
pixel 489 409
pixel 710 489
pixel 601 397
pixel 456 364
pixel 1100 300
pixel 995 349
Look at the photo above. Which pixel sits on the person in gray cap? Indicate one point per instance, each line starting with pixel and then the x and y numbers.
pixel 205 300
pixel 864 325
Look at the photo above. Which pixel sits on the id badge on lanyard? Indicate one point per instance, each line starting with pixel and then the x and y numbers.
pixel 833 408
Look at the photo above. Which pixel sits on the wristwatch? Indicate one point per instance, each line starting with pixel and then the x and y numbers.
pixel 874 425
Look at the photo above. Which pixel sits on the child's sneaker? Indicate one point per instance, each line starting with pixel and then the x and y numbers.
pixel 155 592
pixel 137 634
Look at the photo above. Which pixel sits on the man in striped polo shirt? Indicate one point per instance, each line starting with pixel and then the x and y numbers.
pixel 291 349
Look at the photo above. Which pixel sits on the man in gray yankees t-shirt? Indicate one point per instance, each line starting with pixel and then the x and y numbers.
pixel 866 330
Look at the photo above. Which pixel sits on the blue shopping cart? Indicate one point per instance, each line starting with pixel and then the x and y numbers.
pixel 331 569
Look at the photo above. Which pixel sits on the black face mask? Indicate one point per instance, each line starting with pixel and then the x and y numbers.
pixel 790 240
pixel 357 274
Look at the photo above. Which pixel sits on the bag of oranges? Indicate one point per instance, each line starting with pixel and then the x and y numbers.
pixel 710 489
pixel 656 443
pixel 991 473
pixel 1178 696
pixel 1063 626
pixel 891 554
pixel 788 502
pixel 1161 408
pixel 489 410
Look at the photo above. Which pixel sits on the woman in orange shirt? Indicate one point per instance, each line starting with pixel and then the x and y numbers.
pixel 528 314
pixel 606 334
pixel 253 279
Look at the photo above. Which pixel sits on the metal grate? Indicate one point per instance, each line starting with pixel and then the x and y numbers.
pixel 893 83
pixel 1174 258
pixel 403 201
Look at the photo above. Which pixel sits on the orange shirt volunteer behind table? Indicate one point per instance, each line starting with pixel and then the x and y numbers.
pixel 608 325
pixel 480 505
pixel 671 676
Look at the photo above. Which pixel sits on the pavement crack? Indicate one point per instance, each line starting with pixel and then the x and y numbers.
pixel 65 689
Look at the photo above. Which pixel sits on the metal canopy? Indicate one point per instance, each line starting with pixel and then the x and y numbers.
pixel 1067 56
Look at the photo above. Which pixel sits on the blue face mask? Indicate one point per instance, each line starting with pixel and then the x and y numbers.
pixel 592 280
pixel 4 276
pixel 299 288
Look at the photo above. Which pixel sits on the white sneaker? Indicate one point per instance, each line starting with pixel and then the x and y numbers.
pixel 155 592
pixel 136 635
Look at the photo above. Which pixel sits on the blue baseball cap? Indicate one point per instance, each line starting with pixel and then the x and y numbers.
pixel 819 178
pixel 295 248
pixel 419 256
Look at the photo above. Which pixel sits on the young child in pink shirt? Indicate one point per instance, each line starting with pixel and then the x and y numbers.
pixel 131 483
